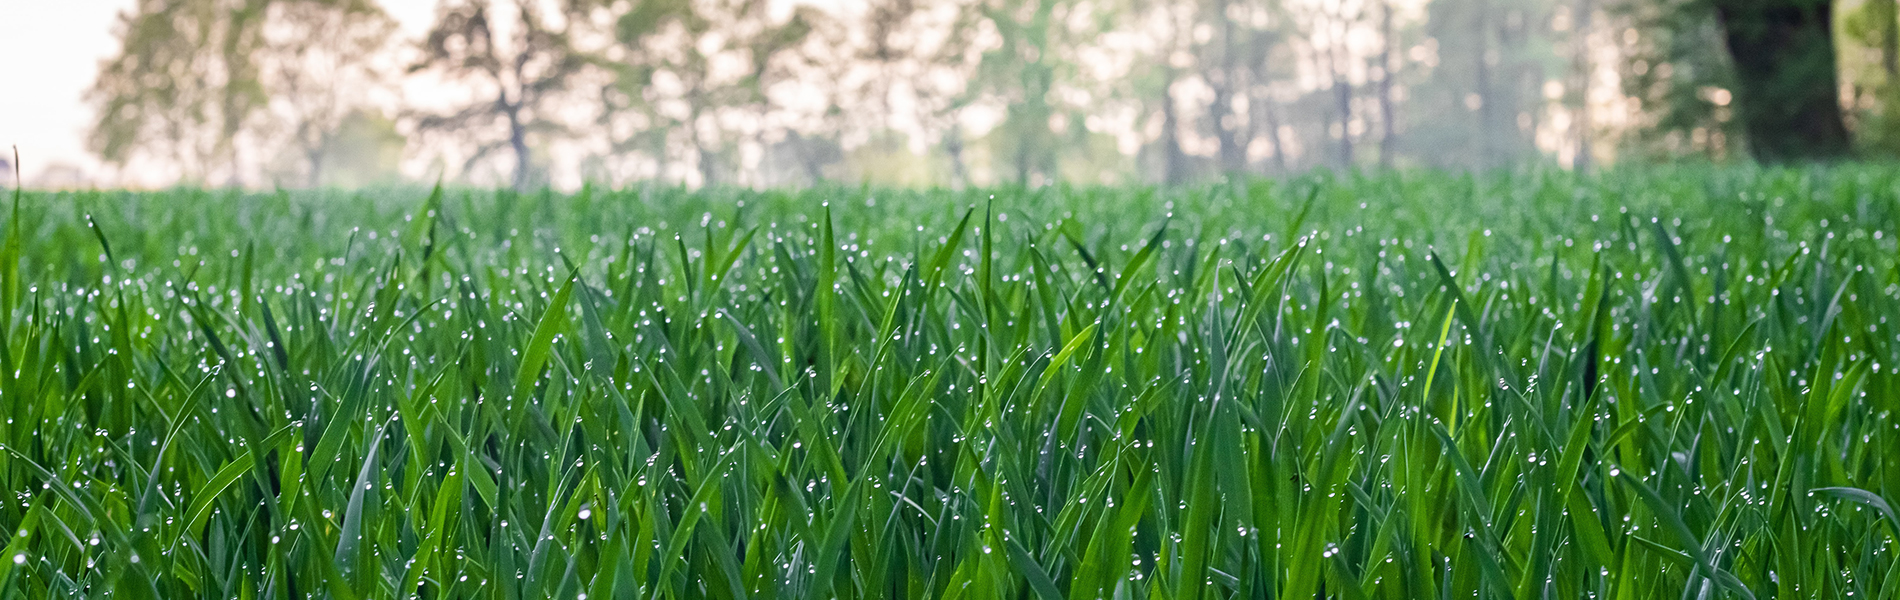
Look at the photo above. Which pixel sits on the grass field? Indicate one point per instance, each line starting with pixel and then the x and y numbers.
pixel 1673 383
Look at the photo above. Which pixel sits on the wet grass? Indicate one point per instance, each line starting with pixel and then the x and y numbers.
pixel 1658 384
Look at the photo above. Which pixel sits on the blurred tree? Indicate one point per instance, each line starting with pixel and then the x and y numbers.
pixel 1020 71
pixel 1330 29
pixel 942 73
pixel 515 58
pixel 805 160
pixel 904 79
pixel 1167 28
pixel 1159 79
pixel 362 150
pixel 1339 20
pixel 1875 26
pixel 1268 58
pixel 701 68
pixel 1227 76
pixel 1680 77
pixel 1759 71
pixel 1787 90
pixel 321 71
pixel 195 81
pixel 1228 46
pixel 1387 66
pixel 1581 75
pixel 774 51
pixel 1873 81
pixel 1483 102
pixel 1231 42
pixel 661 76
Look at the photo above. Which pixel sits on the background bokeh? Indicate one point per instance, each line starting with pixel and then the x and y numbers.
pixel 762 93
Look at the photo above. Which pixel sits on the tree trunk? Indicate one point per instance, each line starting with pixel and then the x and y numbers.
pixel 1271 118
pixel 1584 159
pixel 1174 166
pixel 953 146
pixel 1787 92
pixel 1889 15
pixel 1521 88
pixel 814 169
pixel 703 158
pixel 315 156
pixel 1486 123
pixel 1342 104
pixel 517 140
pixel 1233 157
pixel 707 167
pixel 1023 141
pixel 1388 119
pixel 239 40
pixel 808 157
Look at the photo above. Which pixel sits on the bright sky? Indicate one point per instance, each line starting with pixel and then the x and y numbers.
pixel 49 53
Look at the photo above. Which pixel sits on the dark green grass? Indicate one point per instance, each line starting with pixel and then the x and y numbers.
pixel 1660 384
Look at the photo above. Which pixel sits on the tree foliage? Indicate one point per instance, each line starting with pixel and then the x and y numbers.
pixel 687 70
pixel 513 59
pixel 205 86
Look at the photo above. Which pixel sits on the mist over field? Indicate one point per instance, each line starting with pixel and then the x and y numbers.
pixel 265 94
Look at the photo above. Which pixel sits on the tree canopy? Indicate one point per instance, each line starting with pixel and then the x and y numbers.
pixel 211 89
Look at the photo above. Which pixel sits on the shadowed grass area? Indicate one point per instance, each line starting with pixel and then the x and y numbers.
pixel 1653 384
